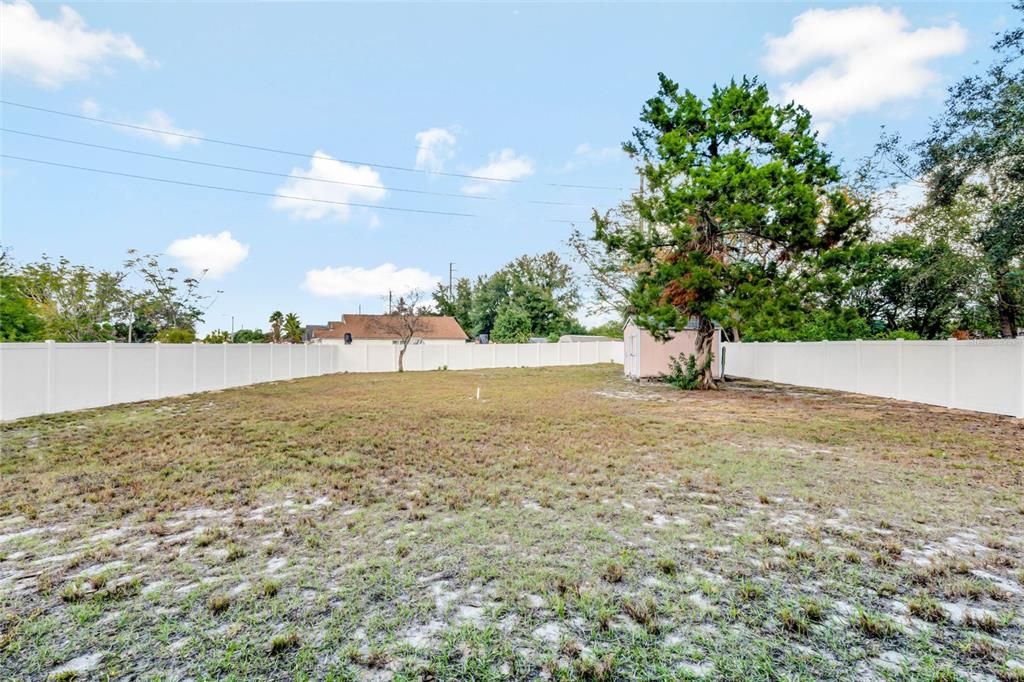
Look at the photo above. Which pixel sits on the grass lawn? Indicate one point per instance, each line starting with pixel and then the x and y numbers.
pixel 567 525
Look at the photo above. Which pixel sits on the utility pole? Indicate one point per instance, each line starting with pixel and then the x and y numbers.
pixel 389 301
pixel 451 269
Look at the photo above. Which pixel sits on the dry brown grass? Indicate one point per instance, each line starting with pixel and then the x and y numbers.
pixel 352 512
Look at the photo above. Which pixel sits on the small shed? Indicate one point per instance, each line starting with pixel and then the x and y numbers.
pixel 647 358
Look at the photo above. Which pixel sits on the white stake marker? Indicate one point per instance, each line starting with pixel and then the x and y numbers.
pixel 478 393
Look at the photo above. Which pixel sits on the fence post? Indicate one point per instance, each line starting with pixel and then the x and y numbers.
pixel 305 359
pixel 494 355
pixel 537 345
pixel 899 369
pixel 110 372
pixel 446 356
pixel 579 353
pixel 366 357
pixel 195 366
pixel 288 346
pixel 224 358
pixel 51 374
pixel 250 362
pixel 319 363
pixel 857 381
pixel 951 396
pixel 156 369
pixel 1020 383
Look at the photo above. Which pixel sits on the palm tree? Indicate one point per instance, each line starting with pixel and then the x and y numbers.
pixel 293 328
pixel 276 320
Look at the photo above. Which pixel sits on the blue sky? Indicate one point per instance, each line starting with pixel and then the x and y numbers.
pixel 541 94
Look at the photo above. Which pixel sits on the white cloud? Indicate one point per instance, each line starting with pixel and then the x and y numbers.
pixel 366 187
pixel 355 281
pixel 585 154
pixel 163 129
pixel 859 58
pixel 503 165
pixel 435 147
pixel 587 151
pixel 52 52
pixel 216 254
pixel 90 107
pixel 165 132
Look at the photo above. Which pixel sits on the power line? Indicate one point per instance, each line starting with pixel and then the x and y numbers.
pixel 273 150
pixel 239 168
pixel 257 171
pixel 235 189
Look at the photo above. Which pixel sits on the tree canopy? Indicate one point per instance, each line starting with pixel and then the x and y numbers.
pixel 543 288
pixel 739 190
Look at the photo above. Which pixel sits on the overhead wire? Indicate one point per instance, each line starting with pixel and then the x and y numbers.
pixel 275 150
pixel 235 190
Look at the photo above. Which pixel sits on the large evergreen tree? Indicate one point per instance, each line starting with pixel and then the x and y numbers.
pixel 731 181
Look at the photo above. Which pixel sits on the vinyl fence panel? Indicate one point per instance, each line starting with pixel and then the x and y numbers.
pixel 984 375
pixel 40 378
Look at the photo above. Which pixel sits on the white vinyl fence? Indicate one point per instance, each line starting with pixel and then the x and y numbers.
pixel 985 376
pixel 43 378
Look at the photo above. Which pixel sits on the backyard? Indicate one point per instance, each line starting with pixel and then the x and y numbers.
pixel 567 524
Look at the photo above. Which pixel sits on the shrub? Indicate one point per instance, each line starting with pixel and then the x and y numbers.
pixel 686 376
pixel 175 335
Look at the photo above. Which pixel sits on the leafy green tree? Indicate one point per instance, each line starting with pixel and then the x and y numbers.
pixel 976 150
pixel 732 181
pixel 18 320
pixel 293 328
pixel 276 326
pixel 512 325
pixel 543 286
pixel 248 336
pixel 612 330
pixel 75 302
pixel 217 336
pixel 177 336
pixel 168 300
pixel 458 303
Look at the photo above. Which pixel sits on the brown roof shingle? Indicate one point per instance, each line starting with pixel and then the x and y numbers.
pixel 372 327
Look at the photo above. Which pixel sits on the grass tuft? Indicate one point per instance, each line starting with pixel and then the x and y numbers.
pixel 281 643
pixel 927 608
pixel 218 603
pixel 875 625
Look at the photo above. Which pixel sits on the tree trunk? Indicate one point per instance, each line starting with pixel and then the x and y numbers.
pixel 401 357
pixel 705 350
pixel 1006 307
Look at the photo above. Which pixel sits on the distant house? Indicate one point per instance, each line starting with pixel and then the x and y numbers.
pixel 647 358
pixel 372 329
pixel 582 338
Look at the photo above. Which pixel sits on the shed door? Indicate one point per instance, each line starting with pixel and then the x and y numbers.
pixel 633 355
